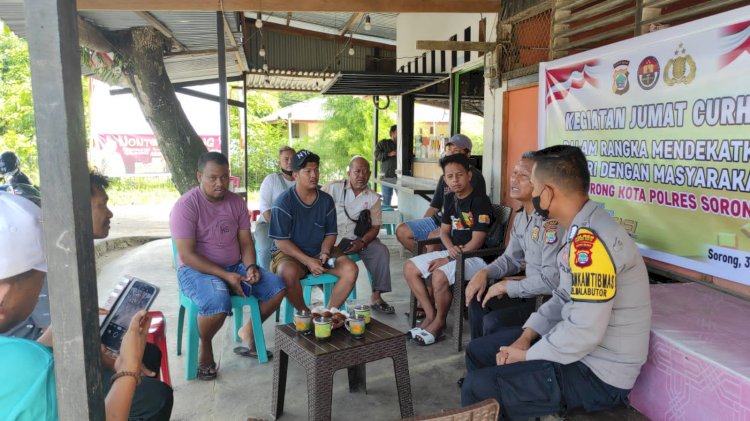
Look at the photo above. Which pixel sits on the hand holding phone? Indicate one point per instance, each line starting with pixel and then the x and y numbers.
pixel 133 343
pixel 137 297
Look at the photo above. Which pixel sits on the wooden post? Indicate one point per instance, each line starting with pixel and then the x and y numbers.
pixel 375 123
pixel 61 141
pixel 223 118
pixel 406 133
pixel 244 128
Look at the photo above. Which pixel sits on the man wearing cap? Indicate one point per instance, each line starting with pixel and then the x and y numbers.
pixel 153 399
pixel 27 391
pixel 211 230
pixel 409 232
pixel 353 197
pixel 303 226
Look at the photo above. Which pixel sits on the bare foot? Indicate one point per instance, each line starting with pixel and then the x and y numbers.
pixel 246 335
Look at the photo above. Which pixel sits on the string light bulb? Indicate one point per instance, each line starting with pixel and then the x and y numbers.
pixel 262 51
pixel 351 51
pixel 259 21
pixel 368 25
pixel 265 66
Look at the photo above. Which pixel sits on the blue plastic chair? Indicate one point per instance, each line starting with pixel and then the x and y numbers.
pixel 189 307
pixel 326 280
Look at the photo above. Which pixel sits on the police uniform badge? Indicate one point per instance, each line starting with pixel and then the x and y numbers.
pixel 592 268
pixel 535 233
pixel 550 232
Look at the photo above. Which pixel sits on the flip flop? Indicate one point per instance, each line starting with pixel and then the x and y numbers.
pixel 207 372
pixel 383 307
pixel 425 338
pixel 244 351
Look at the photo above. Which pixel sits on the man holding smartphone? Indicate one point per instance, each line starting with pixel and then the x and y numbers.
pixel 211 229
pixel 352 197
pixel 153 399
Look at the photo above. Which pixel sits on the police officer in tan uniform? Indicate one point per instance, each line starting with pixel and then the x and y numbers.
pixel 533 245
pixel 584 348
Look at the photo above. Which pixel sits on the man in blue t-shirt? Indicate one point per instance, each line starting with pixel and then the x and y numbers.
pixel 303 227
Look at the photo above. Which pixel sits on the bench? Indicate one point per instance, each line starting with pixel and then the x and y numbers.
pixel 698 365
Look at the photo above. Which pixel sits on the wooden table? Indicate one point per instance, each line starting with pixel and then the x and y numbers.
pixel 321 359
pixel 417 186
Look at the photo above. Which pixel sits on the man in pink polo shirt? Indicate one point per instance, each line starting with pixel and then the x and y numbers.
pixel 211 229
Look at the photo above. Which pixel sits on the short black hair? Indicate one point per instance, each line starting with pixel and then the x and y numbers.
pixel 528 155
pixel 566 165
pixel 216 157
pixel 98 181
pixel 393 128
pixel 457 158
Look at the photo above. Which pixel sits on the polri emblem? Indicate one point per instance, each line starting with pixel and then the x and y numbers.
pixel 680 69
pixel 535 233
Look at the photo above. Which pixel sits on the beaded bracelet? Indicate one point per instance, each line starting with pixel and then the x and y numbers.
pixel 133 374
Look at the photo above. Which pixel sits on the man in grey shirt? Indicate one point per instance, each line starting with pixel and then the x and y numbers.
pixel 534 243
pixel 584 348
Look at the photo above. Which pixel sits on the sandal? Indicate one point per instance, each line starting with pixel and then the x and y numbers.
pixel 251 353
pixel 383 307
pixel 420 314
pixel 207 372
pixel 424 338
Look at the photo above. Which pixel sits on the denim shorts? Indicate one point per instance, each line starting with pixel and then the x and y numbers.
pixel 421 228
pixel 212 294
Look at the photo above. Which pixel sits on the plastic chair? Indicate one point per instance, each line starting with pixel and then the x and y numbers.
pixel 157 335
pixel 189 307
pixel 326 280
pixel 390 220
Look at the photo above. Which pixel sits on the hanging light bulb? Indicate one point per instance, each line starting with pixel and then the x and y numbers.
pixel 368 25
pixel 351 51
pixel 265 66
pixel 262 51
pixel 259 21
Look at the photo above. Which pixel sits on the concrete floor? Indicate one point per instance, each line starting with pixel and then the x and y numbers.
pixel 242 389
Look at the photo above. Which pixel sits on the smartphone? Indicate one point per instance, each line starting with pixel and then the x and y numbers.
pixel 345 244
pixel 138 295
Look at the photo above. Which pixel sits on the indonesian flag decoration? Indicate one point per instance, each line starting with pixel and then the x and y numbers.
pixel 735 40
pixel 562 80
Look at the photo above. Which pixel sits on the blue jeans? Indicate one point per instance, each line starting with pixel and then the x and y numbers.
pixel 421 228
pixel 387 194
pixel 212 294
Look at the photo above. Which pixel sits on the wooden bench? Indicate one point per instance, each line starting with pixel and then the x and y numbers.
pixel 698 365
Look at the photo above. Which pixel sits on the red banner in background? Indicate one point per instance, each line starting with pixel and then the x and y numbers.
pixel 137 153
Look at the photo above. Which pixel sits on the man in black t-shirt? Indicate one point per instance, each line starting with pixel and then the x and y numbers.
pixel 467 216
pixel 428 226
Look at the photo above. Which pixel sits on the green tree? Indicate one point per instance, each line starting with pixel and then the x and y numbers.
pixel 16 105
pixel 347 131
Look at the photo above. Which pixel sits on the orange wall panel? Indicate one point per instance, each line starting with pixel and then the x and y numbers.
pixel 522 132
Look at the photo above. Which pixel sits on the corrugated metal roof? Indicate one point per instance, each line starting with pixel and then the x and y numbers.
pixel 349 83
pixel 383 24
pixel 287 80
pixel 295 52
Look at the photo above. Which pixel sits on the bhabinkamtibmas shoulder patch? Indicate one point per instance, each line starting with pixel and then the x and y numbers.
pixel 592 268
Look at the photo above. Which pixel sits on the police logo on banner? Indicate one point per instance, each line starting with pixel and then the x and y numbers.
pixel 648 72
pixel 592 268
pixel 680 69
pixel 620 82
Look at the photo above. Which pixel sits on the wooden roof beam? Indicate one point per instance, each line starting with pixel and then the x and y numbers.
pixel 456 46
pixel 228 31
pixel 402 6
pixel 356 17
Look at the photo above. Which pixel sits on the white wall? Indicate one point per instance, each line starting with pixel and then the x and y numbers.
pixel 411 27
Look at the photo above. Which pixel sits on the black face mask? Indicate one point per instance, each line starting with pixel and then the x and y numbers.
pixel 287 173
pixel 537 202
